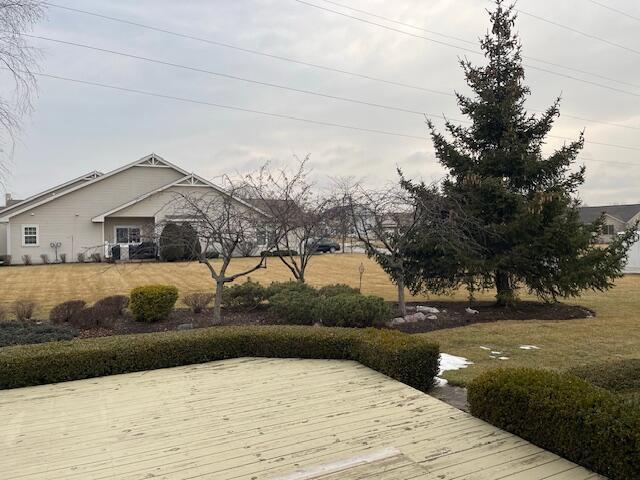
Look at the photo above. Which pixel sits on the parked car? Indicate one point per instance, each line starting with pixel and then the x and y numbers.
pixel 324 245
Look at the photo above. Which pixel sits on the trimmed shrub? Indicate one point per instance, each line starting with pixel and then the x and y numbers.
pixel 562 413
pixel 179 242
pixel 24 309
pixel 112 306
pixel 337 289
pixel 198 301
pixel 246 295
pixel 349 310
pixel 65 311
pixel 92 317
pixel 409 359
pixel 295 307
pixel 26 259
pixel 21 333
pixel 63 258
pixel 44 258
pixel 152 303
pixel 211 254
pixel 191 242
pixel 286 287
pixel 82 258
pixel 96 257
pixel 620 376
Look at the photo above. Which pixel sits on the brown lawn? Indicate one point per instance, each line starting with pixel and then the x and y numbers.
pixel 614 333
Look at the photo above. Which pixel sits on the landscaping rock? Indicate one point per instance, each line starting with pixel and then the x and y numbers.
pixel 432 317
pixel 423 309
pixel 416 317
pixel 185 326
pixel 396 321
pixel 471 311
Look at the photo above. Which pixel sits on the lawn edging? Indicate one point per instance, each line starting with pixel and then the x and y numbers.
pixel 564 414
pixel 406 358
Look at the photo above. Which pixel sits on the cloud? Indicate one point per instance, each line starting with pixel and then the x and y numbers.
pixel 79 128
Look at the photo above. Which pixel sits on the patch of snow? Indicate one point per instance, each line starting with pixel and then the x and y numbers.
pixel 424 309
pixel 450 362
pixel 485 348
pixel 471 311
pixel 503 358
pixel 529 347
pixel 496 353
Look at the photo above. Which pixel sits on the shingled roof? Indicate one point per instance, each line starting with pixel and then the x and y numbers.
pixel 622 212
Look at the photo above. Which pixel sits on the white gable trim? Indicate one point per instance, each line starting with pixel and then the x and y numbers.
pixel 144 161
pixel 190 180
pixel 88 177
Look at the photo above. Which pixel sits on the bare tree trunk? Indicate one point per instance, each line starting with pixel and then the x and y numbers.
pixel 217 305
pixel 402 306
pixel 504 290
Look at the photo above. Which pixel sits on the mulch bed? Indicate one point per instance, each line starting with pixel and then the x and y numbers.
pixel 453 314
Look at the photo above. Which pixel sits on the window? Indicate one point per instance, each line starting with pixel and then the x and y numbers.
pixel 609 230
pixel 30 236
pixel 127 234
pixel 261 236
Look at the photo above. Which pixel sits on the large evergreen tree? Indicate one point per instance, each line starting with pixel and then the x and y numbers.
pixel 530 233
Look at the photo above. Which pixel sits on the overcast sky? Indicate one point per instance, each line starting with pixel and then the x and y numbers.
pixel 78 128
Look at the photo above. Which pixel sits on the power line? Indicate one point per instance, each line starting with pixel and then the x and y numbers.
pixel 527 57
pixel 580 32
pixel 397 22
pixel 248 50
pixel 226 107
pixel 234 77
pixel 279 86
pixel 615 10
pixel 254 111
pixel 309 64
pixel 475 52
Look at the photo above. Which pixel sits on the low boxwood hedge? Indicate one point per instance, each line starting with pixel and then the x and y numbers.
pixel 408 359
pixel 562 413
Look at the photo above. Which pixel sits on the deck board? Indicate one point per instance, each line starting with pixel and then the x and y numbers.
pixel 254 419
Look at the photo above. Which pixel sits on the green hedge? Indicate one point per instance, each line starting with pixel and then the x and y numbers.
pixel 352 310
pixel 408 359
pixel 620 376
pixel 564 414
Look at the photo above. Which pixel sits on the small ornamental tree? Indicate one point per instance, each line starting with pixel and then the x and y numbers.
pixel 525 201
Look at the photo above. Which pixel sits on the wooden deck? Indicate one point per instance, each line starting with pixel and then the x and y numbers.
pixel 256 419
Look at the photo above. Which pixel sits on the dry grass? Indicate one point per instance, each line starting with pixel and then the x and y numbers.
pixel 613 334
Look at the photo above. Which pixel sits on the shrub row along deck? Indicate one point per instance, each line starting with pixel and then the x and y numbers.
pixel 256 418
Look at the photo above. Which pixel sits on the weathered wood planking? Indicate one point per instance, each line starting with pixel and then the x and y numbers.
pixel 254 419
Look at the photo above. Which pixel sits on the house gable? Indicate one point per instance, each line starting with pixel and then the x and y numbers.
pixel 149 161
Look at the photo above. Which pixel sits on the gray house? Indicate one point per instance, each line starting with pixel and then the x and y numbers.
pixel 617 218
pixel 93 212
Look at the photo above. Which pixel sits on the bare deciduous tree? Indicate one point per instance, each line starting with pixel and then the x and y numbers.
pixel 393 221
pixel 341 221
pixel 20 60
pixel 224 223
pixel 299 215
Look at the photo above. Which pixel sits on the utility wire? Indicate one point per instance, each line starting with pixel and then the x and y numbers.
pixel 248 50
pixel 257 112
pixel 312 65
pixel 284 87
pixel 580 32
pixel 475 52
pixel 615 10
pixel 527 57
pixel 227 107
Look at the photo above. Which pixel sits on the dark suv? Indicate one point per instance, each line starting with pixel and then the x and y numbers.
pixel 325 245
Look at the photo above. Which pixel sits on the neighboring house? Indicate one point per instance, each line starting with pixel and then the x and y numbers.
pixel 93 212
pixel 617 218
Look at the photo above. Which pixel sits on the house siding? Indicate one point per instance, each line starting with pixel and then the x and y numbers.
pixel 67 219
pixel 38 198
pixel 618 226
pixel 3 238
